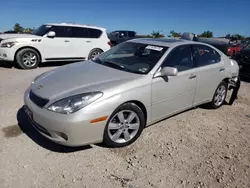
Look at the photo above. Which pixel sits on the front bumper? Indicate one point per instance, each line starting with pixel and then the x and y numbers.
pixel 7 54
pixel 65 129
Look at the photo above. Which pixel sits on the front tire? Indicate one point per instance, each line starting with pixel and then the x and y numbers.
pixel 27 58
pixel 219 95
pixel 124 126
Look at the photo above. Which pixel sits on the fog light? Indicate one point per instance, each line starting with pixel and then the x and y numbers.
pixel 64 136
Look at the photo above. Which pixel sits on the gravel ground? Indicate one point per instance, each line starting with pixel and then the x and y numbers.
pixel 198 148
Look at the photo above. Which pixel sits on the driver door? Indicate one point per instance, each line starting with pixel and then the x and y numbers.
pixel 173 94
pixel 59 47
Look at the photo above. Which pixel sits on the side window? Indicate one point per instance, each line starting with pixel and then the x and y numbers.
pixel 122 34
pixel 79 32
pixel 204 55
pixel 94 33
pixel 131 34
pixel 180 58
pixel 62 31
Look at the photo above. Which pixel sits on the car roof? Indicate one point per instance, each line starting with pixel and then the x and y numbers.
pixel 75 25
pixel 167 42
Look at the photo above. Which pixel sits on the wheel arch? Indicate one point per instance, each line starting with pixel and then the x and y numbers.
pixel 226 80
pixel 31 47
pixel 141 106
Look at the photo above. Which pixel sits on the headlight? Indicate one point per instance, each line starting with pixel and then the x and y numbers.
pixel 72 104
pixel 8 44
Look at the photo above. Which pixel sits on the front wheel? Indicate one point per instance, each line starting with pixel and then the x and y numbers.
pixel 219 95
pixel 27 58
pixel 125 125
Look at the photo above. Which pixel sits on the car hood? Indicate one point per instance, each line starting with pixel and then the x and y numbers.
pixel 17 37
pixel 79 78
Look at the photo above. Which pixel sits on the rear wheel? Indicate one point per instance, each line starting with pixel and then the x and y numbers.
pixel 27 58
pixel 94 53
pixel 219 95
pixel 125 125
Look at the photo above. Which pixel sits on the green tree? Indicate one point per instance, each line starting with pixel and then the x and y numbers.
pixel 206 34
pixel 18 28
pixel 28 30
pixel 172 33
pixel 237 37
pixel 157 34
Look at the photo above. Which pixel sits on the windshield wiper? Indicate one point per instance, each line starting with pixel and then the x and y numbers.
pixel 114 65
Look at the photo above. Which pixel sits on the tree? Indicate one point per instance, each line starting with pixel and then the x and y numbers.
pixel 174 34
pixel 207 34
pixel 28 30
pixel 157 34
pixel 18 28
pixel 237 37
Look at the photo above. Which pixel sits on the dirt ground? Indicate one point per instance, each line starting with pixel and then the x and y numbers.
pixel 197 149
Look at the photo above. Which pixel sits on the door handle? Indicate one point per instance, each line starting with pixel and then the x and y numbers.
pixel 222 69
pixel 192 76
pixel 66 41
pixel 88 41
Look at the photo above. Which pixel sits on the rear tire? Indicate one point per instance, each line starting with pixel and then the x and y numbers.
pixel 27 58
pixel 219 95
pixel 124 126
pixel 94 53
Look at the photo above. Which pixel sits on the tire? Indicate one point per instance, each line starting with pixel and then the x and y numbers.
pixel 93 53
pixel 27 58
pixel 118 133
pixel 219 95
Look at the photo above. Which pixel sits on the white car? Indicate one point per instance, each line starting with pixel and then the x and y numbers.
pixel 54 42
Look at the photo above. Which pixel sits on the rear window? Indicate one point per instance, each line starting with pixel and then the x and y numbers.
pixel 94 33
pixel 81 32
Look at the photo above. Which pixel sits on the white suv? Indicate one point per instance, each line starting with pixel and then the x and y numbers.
pixel 54 42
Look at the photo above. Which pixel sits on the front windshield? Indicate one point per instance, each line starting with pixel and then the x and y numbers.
pixel 132 57
pixel 42 30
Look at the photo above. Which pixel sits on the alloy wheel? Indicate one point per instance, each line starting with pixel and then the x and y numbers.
pixel 220 95
pixel 29 59
pixel 123 126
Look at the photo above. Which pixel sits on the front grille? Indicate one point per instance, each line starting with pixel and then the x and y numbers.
pixel 38 100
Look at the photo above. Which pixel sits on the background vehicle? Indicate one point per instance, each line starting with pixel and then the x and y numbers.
pixel 119 36
pixel 234 49
pixel 54 42
pixel 112 97
pixel 243 58
pixel 219 44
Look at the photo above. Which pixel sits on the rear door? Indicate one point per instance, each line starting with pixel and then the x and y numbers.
pixel 84 40
pixel 81 44
pixel 210 72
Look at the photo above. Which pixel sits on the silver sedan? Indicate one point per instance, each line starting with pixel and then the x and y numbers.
pixel 113 97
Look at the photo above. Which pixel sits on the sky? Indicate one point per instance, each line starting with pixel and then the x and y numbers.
pixel 144 16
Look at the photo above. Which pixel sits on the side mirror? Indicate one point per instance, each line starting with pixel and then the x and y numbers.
pixel 167 71
pixel 51 34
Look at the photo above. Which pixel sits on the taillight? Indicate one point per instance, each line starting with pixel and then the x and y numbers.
pixel 109 43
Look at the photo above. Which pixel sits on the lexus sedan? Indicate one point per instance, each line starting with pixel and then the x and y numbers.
pixel 114 96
